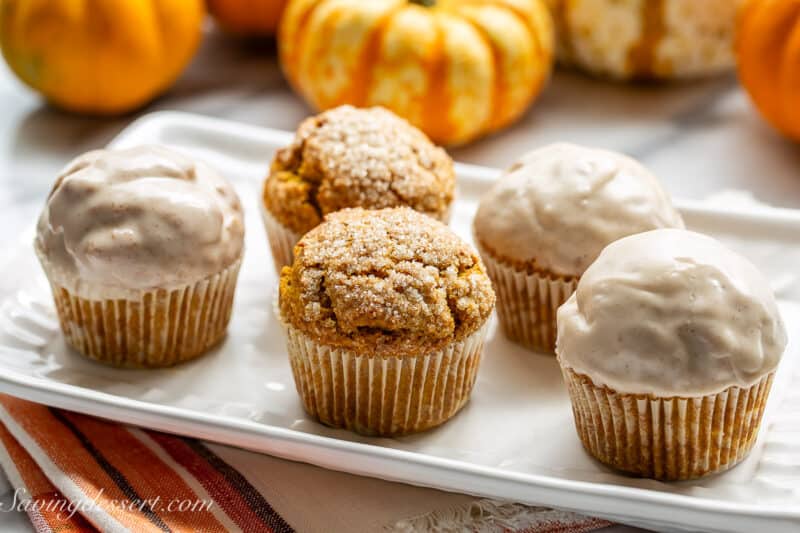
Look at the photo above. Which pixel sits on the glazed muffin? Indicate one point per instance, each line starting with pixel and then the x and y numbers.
pixel 668 348
pixel 646 39
pixel 349 157
pixel 142 249
pixel 386 312
pixel 548 217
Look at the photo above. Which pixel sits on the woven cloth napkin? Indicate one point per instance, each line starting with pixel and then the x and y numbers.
pixel 73 472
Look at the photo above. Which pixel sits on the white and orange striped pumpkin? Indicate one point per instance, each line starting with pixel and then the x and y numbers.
pixel 646 39
pixel 457 69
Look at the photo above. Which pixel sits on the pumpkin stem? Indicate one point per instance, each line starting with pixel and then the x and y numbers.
pixel 424 3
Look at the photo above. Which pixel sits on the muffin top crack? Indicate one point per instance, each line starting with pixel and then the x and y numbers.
pixel 349 157
pixel 390 282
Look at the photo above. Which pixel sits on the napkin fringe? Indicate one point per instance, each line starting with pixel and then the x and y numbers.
pixel 490 515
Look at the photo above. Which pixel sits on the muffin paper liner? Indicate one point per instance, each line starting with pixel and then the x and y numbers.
pixel 527 303
pixel 158 328
pixel 281 239
pixel 376 395
pixel 668 439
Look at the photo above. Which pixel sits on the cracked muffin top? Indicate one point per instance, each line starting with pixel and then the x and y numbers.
pixel 349 157
pixel 390 282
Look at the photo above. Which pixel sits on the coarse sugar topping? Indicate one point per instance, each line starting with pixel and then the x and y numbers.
pixel 387 282
pixel 349 157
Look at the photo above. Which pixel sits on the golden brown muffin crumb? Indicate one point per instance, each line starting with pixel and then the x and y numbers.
pixel 349 157
pixel 387 282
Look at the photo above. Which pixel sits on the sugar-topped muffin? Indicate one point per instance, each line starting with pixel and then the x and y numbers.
pixel 350 157
pixel 548 217
pixel 142 248
pixel 675 318
pixel 395 292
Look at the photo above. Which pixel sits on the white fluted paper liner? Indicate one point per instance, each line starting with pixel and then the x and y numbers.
pixel 156 328
pixel 281 239
pixel 668 439
pixel 383 395
pixel 527 303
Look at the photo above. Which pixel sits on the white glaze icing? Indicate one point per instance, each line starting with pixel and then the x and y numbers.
pixel 560 205
pixel 138 219
pixel 671 313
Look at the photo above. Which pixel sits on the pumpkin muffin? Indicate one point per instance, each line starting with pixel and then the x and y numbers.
pixel 544 222
pixel 142 249
pixel 386 312
pixel 349 157
pixel 668 348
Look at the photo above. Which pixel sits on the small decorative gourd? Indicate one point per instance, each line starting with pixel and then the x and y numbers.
pixel 100 57
pixel 646 39
pixel 247 17
pixel 457 69
pixel 768 49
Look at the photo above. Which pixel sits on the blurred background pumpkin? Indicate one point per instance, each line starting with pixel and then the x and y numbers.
pixel 768 49
pixel 646 39
pixel 100 57
pixel 457 69
pixel 247 17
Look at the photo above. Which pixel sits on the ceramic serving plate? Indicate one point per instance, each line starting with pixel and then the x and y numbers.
pixel 515 440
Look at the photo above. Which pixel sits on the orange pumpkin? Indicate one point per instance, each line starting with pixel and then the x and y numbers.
pixel 101 57
pixel 768 50
pixel 247 17
pixel 457 69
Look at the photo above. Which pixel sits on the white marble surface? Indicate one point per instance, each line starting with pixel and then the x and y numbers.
pixel 698 138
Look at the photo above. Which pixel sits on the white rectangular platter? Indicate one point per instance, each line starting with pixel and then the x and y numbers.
pixel 515 440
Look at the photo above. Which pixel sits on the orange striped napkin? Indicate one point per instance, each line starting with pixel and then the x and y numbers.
pixel 73 472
